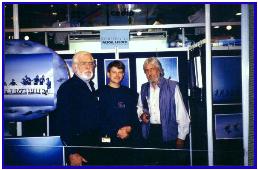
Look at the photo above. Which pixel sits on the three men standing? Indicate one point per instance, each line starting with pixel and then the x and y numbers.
pixel 81 117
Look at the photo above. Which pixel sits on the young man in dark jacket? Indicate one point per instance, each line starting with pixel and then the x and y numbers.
pixel 118 111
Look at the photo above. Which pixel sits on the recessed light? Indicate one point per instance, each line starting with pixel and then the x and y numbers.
pixel 139 33
pixel 137 10
pixel 26 37
pixel 229 27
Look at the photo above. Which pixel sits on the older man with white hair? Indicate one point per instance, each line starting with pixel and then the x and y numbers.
pixel 76 115
pixel 165 121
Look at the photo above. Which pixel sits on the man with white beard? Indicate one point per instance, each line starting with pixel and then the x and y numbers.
pixel 77 117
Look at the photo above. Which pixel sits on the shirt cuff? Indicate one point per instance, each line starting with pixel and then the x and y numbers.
pixel 181 136
pixel 183 131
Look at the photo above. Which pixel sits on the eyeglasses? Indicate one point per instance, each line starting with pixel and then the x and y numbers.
pixel 87 63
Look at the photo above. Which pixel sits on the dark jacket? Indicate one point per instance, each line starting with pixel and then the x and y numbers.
pixel 118 109
pixel 76 117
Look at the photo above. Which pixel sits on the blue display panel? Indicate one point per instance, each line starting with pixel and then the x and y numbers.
pixel 126 80
pixel 27 84
pixel 226 79
pixel 32 76
pixel 229 126
pixel 169 64
pixel 34 151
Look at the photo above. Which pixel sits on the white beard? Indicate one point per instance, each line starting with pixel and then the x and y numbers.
pixel 85 76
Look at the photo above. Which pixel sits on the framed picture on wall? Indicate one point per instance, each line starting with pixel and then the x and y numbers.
pixel 126 80
pixel 29 86
pixel 95 78
pixel 226 79
pixel 229 126
pixel 169 64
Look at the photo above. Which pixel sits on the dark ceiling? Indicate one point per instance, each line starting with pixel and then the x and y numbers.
pixel 44 15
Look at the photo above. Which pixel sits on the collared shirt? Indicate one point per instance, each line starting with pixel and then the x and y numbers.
pixel 182 116
pixel 154 105
pixel 88 84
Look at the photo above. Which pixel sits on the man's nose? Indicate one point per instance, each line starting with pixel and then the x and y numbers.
pixel 148 73
pixel 87 66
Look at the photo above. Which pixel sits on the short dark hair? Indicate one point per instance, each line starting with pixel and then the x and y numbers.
pixel 116 63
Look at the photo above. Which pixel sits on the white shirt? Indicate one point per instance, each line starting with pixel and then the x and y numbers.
pixel 182 117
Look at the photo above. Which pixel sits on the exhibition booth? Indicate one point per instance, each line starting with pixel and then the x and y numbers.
pixel 209 73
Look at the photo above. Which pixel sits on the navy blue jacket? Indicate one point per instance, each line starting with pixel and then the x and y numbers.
pixel 76 117
pixel 118 109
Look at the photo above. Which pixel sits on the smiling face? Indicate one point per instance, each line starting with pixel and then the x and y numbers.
pixel 115 76
pixel 83 66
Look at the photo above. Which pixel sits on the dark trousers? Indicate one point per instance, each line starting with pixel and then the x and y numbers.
pixel 160 156
pixel 155 135
pixel 155 138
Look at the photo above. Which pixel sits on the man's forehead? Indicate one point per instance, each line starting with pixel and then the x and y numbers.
pixel 116 69
pixel 150 65
pixel 85 58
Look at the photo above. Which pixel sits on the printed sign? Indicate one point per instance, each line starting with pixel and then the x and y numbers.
pixel 110 39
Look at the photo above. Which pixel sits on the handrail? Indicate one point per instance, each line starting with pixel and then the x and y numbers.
pixel 130 27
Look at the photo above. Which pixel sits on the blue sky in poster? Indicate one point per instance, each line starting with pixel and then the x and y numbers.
pixel 17 66
pixel 126 80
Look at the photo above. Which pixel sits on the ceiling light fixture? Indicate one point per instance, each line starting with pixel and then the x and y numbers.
pixel 138 10
pixel 139 33
pixel 229 27
pixel 26 37
pixel 239 13
pixel 216 26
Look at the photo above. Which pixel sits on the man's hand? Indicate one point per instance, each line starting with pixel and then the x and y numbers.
pixel 145 117
pixel 124 132
pixel 76 159
pixel 179 143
